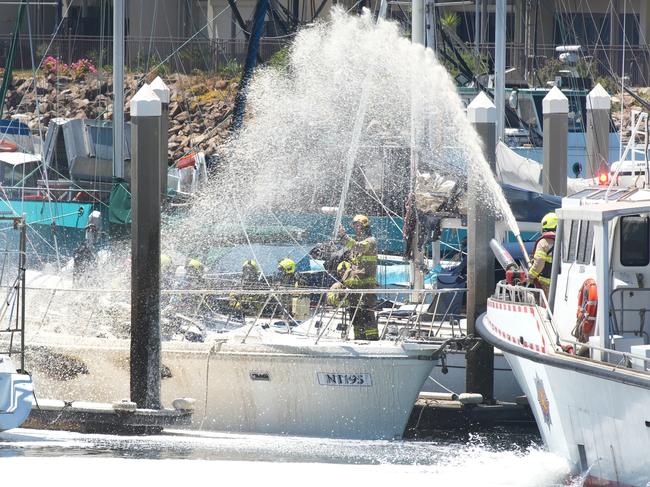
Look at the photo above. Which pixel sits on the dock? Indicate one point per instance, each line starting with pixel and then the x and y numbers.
pixel 116 418
pixel 432 415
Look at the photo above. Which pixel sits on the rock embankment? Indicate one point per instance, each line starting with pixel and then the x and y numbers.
pixel 199 105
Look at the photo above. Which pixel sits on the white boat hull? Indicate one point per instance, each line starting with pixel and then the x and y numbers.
pixel 577 402
pixel 16 395
pixel 288 386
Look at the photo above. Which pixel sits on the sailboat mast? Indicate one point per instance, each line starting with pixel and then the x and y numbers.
pixel 118 89
pixel 417 37
pixel 500 66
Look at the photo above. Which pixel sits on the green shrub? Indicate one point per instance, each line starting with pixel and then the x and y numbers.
pixel 280 59
pixel 231 69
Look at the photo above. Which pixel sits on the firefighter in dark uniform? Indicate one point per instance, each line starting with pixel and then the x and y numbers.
pixel 539 273
pixel 362 275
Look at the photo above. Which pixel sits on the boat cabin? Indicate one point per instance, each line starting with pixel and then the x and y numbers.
pixel 604 235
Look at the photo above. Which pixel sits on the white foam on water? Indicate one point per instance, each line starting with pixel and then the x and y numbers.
pixel 64 458
pixel 535 470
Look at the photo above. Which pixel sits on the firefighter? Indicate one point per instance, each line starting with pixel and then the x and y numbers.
pixel 362 275
pixel 286 278
pixel 246 304
pixel 194 274
pixel 343 272
pixel 539 273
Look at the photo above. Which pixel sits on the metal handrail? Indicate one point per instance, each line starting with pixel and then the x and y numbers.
pixel 426 323
pixel 503 290
pixel 622 310
pixel 502 293
pixel 627 356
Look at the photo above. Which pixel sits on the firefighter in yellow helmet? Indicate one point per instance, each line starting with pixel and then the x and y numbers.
pixel 248 304
pixel 539 273
pixel 194 274
pixel 287 272
pixel 286 278
pixel 362 275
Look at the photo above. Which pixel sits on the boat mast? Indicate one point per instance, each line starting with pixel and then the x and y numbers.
pixel 118 89
pixel 417 37
pixel 500 66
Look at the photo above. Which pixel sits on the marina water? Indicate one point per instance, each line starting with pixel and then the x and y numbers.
pixel 71 459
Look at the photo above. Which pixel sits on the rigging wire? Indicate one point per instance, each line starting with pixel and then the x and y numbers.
pixel 40 130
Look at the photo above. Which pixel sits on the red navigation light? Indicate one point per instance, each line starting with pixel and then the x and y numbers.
pixel 603 178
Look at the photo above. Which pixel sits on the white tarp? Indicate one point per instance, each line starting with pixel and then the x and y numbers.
pixel 526 174
pixel 18 158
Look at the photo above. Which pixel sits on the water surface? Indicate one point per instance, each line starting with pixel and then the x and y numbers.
pixel 503 458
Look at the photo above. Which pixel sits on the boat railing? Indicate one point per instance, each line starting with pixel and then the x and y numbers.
pixel 435 314
pixel 517 294
pixel 621 359
pixel 617 358
pixel 630 304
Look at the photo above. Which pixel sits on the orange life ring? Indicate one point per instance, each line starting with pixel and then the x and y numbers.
pixel 587 310
pixel 7 146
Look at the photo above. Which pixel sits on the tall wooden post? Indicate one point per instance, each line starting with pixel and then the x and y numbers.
pixel 480 262
pixel 145 249
pixel 555 107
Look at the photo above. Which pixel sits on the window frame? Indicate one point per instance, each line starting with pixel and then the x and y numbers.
pixel 622 245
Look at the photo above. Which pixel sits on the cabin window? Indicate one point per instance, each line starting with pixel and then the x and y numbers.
pixel 585 243
pixel 635 241
pixel 578 244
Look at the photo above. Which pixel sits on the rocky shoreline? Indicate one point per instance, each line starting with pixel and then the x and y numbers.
pixel 199 105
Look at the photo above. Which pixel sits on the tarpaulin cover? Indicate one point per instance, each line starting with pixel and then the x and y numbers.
pixel 119 209
pixel 528 206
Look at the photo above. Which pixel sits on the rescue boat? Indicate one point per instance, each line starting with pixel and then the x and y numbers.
pixel 582 355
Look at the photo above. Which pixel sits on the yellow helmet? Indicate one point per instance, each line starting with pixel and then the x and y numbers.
pixel 165 261
pixel 549 222
pixel 362 219
pixel 287 266
pixel 194 264
pixel 250 264
pixel 343 267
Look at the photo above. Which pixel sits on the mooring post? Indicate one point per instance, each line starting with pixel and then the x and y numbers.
pixel 480 262
pixel 145 249
pixel 555 107
pixel 599 104
pixel 162 91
